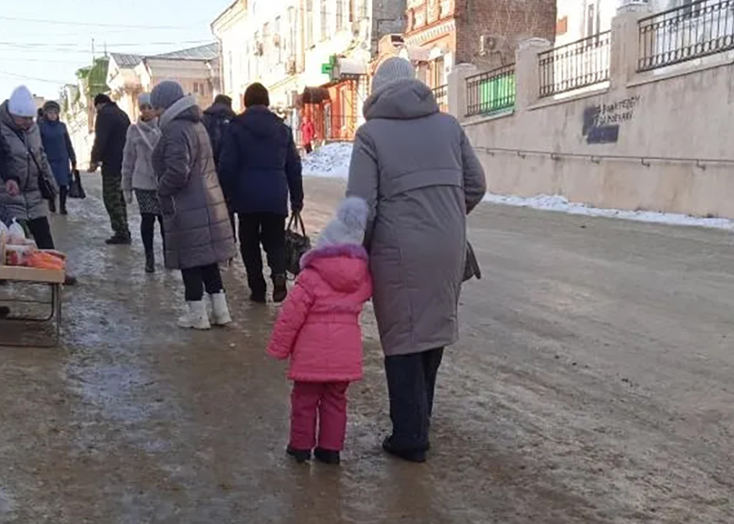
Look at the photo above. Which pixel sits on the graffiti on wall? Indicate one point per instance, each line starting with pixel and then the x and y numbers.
pixel 602 122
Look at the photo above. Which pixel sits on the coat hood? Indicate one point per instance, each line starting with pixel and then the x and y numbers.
pixel 220 111
pixel 260 121
pixel 344 267
pixel 6 118
pixel 402 100
pixel 184 109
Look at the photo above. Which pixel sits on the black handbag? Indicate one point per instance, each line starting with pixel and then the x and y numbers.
pixel 45 186
pixel 297 243
pixel 76 190
pixel 471 269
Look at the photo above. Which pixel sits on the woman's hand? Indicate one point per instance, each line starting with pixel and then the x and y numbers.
pixel 12 188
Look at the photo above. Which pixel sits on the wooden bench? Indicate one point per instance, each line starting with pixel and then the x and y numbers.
pixel 51 278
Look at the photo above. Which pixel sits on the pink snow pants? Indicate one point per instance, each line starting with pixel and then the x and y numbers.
pixel 322 401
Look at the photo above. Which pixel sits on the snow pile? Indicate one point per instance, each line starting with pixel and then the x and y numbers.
pixel 562 205
pixel 332 161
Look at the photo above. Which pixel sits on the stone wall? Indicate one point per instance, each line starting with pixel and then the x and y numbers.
pixel 658 141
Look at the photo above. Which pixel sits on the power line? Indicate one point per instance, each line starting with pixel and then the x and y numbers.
pixel 41 46
pixel 90 24
pixel 24 77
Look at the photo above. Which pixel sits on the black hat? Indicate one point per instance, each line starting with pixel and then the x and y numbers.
pixel 51 105
pixel 257 95
pixel 223 100
pixel 102 99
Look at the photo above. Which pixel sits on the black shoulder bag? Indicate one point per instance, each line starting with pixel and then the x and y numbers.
pixel 45 186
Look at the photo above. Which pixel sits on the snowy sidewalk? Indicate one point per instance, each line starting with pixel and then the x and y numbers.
pixel 332 161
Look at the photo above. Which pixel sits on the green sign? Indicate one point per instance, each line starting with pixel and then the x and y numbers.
pixel 326 69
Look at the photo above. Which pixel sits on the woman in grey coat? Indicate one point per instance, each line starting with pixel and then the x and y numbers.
pixel 420 176
pixel 195 218
pixel 138 175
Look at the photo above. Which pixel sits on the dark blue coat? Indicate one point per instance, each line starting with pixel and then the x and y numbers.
pixel 259 165
pixel 59 150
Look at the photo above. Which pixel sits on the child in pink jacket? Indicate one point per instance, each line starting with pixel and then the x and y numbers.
pixel 319 330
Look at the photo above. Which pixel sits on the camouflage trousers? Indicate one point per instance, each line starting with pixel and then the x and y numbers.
pixel 114 201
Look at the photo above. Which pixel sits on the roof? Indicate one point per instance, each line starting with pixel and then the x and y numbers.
pixel 203 52
pixel 126 60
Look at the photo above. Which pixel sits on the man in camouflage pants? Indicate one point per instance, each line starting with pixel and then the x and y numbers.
pixel 109 143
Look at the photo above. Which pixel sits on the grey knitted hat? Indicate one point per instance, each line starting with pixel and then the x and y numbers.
pixel 392 70
pixel 144 100
pixel 348 226
pixel 165 94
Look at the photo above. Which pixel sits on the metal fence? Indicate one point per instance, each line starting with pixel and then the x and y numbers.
pixel 694 30
pixel 442 97
pixel 490 92
pixel 576 65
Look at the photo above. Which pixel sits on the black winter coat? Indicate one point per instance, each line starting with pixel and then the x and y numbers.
pixel 259 165
pixel 110 134
pixel 216 119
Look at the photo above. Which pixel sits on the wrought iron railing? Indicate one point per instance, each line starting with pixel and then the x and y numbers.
pixel 442 97
pixel 489 92
pixel 694 30
pixel 576 65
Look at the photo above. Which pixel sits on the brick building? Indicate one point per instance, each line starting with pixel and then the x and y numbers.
pixel 442 33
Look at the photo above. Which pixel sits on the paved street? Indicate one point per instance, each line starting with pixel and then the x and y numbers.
pixel 593 384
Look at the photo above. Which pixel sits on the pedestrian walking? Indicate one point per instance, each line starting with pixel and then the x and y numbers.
pixel 198 235
pixel 318 329
pixel 26 169
pixel 109 143
pixel 420 177
pixel 216 119
pixel 259 168
pixel 308 134
pixel 138 175
pixel 59 150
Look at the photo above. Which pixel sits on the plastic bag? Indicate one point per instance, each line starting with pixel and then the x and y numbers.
pixel 17 234
pixel 4 231
pixel 19 255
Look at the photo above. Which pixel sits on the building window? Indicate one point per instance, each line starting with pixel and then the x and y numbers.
pixel 293 30
pixel 230 65
pixel 278 40
pixel 592 18
pixel 439 72
pixel 562 26
pixel 324 20
pixel 340 21
pixel 309 23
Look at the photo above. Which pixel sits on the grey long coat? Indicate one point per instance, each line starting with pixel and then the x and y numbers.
pixel 19 166
pixel 420 177
pixel 195 216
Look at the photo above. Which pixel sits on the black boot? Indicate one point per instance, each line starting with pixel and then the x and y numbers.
pixel 52 205
pixel 63 192
pixel 119 240
pixel 301 455
pixel 327 456
pixel 280 288
pixel 410 455
pixel 150 262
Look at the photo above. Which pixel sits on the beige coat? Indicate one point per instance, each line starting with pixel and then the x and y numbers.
pixel 420 176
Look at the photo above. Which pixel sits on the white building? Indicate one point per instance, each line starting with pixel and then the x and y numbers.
pixel 579 19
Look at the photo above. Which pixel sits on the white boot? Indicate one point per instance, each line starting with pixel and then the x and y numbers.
pixel 196 318
pixel 220 311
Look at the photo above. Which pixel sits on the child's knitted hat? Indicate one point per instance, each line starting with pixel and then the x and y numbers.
pixel 348 226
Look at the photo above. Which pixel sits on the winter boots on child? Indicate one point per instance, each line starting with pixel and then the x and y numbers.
pixel 197 316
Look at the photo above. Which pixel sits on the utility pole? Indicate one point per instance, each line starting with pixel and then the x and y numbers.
pixel 93 55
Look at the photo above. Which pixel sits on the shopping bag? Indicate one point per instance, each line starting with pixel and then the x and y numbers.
pixel 76 190
pixel 297 244
pixel 471 269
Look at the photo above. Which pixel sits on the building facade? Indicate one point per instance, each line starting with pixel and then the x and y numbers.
pixel 442 33
pixel 313 56
pixel 197 69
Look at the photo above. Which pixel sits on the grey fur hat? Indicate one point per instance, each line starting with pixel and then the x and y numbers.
pixel 348 226
pixel 392 70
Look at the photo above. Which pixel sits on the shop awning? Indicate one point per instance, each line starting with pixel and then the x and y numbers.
pixel 314 95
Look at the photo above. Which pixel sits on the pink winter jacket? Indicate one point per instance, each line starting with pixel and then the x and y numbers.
pixel 318 327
